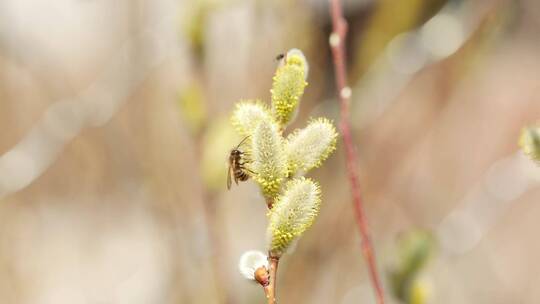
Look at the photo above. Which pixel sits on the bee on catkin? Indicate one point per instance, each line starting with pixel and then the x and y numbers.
pixel 237 168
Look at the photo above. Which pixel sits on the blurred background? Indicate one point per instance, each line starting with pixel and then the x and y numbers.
pixel 114 134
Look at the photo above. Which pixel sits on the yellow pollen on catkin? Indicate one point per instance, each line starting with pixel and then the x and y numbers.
pixel 308 148
pixel 293 213
pixel 288 87
pixel 268 159
pixel 248 114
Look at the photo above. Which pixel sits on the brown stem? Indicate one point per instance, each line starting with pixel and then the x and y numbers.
pixel 270 289
pixel 337 44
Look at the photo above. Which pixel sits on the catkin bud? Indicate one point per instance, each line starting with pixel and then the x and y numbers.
pixel 262 276
pixel 293 213
pixel 529 142
pixel 248 114
pixel 250 264
pixel 268 159
pixel 288 86
pixel 295 56
pixel 308 148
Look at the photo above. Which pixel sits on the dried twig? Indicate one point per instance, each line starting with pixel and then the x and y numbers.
pixel 337 44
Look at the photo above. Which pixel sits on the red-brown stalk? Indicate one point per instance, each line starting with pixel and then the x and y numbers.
pixel 337 44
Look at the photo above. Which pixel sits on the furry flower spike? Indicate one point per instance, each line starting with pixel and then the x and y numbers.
pixel 293 213
pixel 288 86
pixel 310 147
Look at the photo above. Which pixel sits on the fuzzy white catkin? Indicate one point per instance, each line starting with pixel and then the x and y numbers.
pixel 269 161
pixel 288 86
pixel 293 213
pixel 248 114
pixel 309 147
pixel 250 261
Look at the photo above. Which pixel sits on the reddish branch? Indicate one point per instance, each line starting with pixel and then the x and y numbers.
pixel 337 44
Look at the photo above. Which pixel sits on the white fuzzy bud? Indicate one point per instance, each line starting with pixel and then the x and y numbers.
pixel 250 261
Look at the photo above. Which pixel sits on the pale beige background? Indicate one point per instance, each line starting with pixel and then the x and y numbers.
pixel 101 195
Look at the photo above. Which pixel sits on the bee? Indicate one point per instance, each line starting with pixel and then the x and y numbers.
pixel 237 169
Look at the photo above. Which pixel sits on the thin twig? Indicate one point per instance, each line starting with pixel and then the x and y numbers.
pixel 337 44
pixel 270 289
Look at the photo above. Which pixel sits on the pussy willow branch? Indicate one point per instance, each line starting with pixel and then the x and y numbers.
pixel 270 290
pixel 273 261
pixel 337 44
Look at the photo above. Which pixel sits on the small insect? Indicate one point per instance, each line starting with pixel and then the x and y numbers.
pixel 280 56
pixel 237 169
